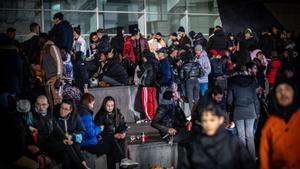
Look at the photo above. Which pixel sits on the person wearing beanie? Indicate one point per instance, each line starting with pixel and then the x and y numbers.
pixel 204 62
pixel 279 143
pixel 173 40
pixel 218 69
pixel 184 40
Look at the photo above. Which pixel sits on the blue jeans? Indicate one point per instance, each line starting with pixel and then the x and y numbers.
pixel 246 134
pixel 203 87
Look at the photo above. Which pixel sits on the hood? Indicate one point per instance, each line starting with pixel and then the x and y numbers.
pixel 219 33
pixel 284 112
pixel 242 80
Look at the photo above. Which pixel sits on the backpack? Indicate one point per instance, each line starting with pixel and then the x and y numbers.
pixel 218 67
pixel 192 69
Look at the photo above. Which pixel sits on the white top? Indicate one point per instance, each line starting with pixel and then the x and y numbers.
pixel 79 45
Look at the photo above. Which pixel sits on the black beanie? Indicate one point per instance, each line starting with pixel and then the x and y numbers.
pixel 181 29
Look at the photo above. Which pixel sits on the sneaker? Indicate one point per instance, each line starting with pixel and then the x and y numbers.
pixel 125 163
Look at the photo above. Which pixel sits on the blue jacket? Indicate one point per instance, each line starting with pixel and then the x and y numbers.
pixel 91 130
pixel 165 73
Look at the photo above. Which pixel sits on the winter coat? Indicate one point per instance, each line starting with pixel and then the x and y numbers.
pixel 75 126
pixel 116 71
pixel 10 69
pixel 221 151
pixel 128 50
pixel 113 122
pixel 245 45
pixel 266 45
pixel 51 60
pixel 242 97
pixel 272 70
pixel 147 74
pixel 81 74
pixel 217 41
pixel 62 35
pixel 168 115
pixel 117 43
pixel 175 69
pixel 103 44
pixel 205 64
pixel 199 39
pixel 279 143
pixel 31 48
pixel 165 73
pixel 191 70
pixel 90 136
pixel 218 67
pixel 184 41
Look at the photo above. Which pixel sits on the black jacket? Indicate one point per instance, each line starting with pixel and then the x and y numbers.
pixel 245 46
pixel 168 115
pixel 266 45
pixel 81 74
pixel 222 151
pixel 103 44
pixel 242 97
pixel 62 35
pixel 116 71
pixel 218 41
pixel 117 43
pixel 191 69
pixel 147 74
pixel 184 41
pixel 113 122
pixel 10 69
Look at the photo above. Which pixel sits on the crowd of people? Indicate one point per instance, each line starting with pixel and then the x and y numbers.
pixel 231 101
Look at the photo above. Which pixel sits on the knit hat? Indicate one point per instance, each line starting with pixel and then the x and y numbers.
pixel 248 30
pixel 198 47
pixel 192 34
pixel 214 52
pixel 174 34
pixel 23 106
pixel 181 29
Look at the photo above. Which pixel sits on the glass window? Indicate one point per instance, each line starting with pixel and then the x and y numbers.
pixel 121 5
pixel 164 24
pixel 166 6
pixel 19 20
pixel 70 4
pixel 110 21
pixel 202 6
pixel 86 20
pixel 203 23
pixel 22 4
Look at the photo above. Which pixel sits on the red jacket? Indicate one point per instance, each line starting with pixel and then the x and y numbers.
pixel 272 70
pixel 128 51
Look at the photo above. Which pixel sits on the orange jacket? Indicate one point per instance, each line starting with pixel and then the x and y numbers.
pixel 280 143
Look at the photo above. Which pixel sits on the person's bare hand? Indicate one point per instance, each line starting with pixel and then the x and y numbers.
pixel 117 136
pixel 172 131
pixel 33 149
pixel 122 135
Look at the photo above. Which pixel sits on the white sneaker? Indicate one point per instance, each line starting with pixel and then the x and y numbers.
pixel 125 163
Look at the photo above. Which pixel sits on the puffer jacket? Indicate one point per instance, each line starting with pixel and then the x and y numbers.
pixel 92 131
pixel 128 50
pixel 191 70
pixel 103 44
pixel 272 70
pixel 242 97
pixel 168 115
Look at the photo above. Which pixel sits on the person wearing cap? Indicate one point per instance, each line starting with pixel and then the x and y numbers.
pixel 204 62
pixel 279 143
pixel 165 72
pixel 160 40
pixel 217 40
pixel 184 40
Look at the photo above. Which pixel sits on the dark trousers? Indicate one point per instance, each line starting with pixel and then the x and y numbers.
pixel 69 155
pixel 118 148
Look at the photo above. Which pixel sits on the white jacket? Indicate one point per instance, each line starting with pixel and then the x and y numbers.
pixel 79 45
pixel 205 64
